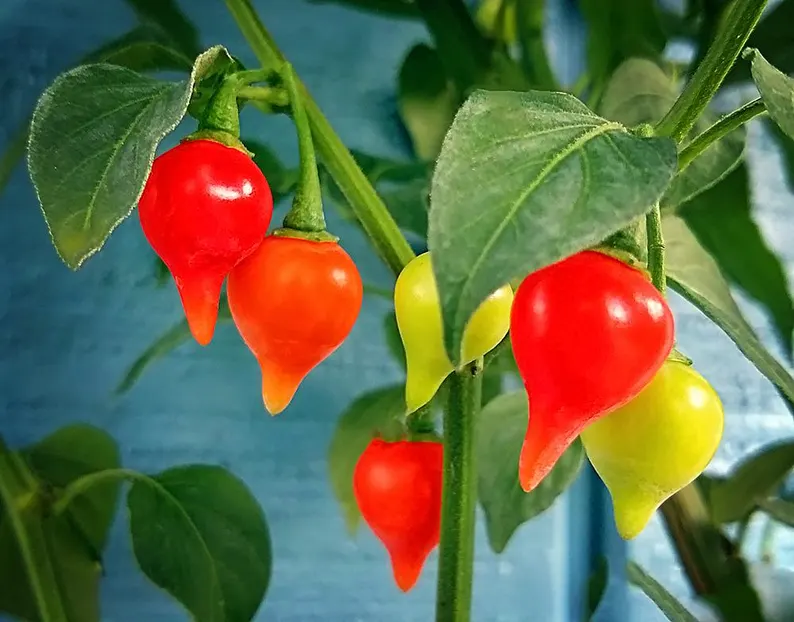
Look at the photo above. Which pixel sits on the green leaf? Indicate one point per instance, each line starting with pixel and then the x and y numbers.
pixel 145 48
pixel 779 509
pixel 777 91
pixel 721 220
pixel 66 548
pixel 786 147
pixel 596 586
pixel 525 180
pixel 693 273
pixel 377 413
pixel 392 8
pixel 282 180
pixel 668 605
pixel 620 29
pixel 501 426
pixel 427 100
pixel 166 15
pixel 93 138
pixel 756 477
pixel 170 340
pixel 200 535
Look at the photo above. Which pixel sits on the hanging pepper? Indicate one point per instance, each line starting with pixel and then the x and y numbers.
pixel 588 334
pixel 418 312
pixel 398 490
pixel 296 298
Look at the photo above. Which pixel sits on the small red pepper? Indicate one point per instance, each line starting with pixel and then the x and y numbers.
pixel 205 207
pixel 398 490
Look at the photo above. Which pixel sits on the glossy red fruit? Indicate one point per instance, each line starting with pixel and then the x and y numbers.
pixel 205 207
pixel 294 302
pixel 398 490
pixel 588 335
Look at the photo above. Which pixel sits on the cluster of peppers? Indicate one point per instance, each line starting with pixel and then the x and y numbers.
pixel 593 343
pixel 591 336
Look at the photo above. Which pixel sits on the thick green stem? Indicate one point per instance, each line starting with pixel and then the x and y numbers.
pixel 367 206
pixel 17 497
pixel 456 549
pixel 735 27
pixel 307 206
pixel 721 128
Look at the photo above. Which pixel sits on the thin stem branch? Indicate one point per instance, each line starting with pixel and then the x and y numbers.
pixel 721 128
pixel 82 485
pixel 456 549
pixel 653 227
pixel 367 206
pixel 735 27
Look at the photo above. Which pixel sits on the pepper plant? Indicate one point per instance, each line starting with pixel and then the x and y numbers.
pixel 553 218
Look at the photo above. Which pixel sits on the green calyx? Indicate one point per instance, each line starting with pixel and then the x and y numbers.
pixel 221 114
pixel 312 236
pixel 219 136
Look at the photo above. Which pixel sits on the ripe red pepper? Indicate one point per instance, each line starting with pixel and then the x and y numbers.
pixel 398 490
pixel 588 335
pixel 205 207
pixel 294 302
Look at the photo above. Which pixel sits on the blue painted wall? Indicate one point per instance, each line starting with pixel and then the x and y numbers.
pixel 66 339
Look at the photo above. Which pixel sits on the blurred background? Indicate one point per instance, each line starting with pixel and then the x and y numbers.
pixel 66 340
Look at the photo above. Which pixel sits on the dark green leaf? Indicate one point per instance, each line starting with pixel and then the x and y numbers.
pixel 525 180
pixel 777 91
pixel 596 586
pixel 170 340
pixel 282 180
pixel 620 29
pixel 14 151
pixel 166 15
pixel 694 274
pixel 501 426
pixel 721 220
pixel 199 534
pixel 408 205
pixel 393 339
pixel 784 143
pixel 779 509
pixel 668 605
pixel 427 100
pixel 491 384
pixel 145 48
pixel 774 38
pixel 377 413
pixel 751 481
pixel 93 138
pixel 392 8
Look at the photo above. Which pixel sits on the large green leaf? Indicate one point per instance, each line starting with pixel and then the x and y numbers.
pixel 93 137
pixel 66 548
pixel 779 509
pixel 427 100
pixel 756 477
pixel 199 534
pixel 166 15
pixel 777 91
pixel 667 603
pixel 501 426
pixel 693 273
pixel 596 586
pixel 620 29
pixel 721 220
pixel 377 413
pixel 524 180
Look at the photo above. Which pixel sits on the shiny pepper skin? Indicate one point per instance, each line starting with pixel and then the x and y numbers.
pixel 588 334
pixel 650 448
pixel 294 302
pixel 418 312
pixel 398 490
pixel 205 207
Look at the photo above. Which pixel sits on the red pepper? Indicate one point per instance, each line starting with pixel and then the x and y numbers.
pixel 398 490
pixel 294 302
pixel 588 335
pixel 205 208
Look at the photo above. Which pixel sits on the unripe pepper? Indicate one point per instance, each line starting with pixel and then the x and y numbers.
pixel 418 312
pixel 205 207
pixel 650 448
pixel 588 334
pixel 398 490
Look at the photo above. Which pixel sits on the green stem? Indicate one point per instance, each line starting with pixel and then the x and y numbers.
pixel 721 128
pixel 367 206
pixel 529 15
pixel 82 485
pixel 272 96
pixel 307 206
pixel 735 27
pixel 653 227
pixel 456 549
pixel 16 496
